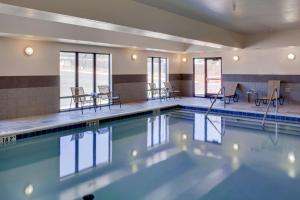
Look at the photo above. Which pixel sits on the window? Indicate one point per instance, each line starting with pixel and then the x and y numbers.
pixel 87 70
pixel 85 150
pixel 67 76
pixel 157 73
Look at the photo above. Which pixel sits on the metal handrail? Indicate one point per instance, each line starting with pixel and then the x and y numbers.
pixel 268 107
pixel 215 99
pixel 221 132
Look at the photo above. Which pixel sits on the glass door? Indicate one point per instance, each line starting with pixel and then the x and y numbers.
pixel 213 75
pixel 207 76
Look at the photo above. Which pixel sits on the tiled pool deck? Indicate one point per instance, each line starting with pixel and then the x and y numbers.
pixel 30 124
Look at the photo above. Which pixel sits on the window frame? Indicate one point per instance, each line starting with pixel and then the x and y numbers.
pixel 77 53
pixel 160 72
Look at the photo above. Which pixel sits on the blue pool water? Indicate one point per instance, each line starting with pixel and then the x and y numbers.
pixel 172 155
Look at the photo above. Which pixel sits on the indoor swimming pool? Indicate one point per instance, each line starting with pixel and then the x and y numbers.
pixel 174 154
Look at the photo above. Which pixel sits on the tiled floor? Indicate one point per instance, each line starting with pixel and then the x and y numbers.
pixel 22 125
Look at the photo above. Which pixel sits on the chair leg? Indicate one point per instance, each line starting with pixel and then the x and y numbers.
pixel 95 106
pixel 70 105
pixel 257 102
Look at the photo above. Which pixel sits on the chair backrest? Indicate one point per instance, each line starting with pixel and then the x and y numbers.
pixel 168 86
pixel 77 94
pixel 152 86
pixel 230 88
pixel 103 89
pixel 272 84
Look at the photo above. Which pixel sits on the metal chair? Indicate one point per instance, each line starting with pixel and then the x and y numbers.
pixel 272 84
pixel 170 91
pixel 80 98
pixel 106 95
pixel 153 91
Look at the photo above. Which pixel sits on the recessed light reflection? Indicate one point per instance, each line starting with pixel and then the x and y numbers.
pixel 28 190
pixel 236 147
pixel 291 157
pixel 134 153
pixel 184 136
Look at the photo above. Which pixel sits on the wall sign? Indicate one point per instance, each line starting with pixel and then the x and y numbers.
pixel 8 139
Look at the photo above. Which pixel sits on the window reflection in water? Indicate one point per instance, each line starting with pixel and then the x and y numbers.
pixel 157 131
pixel 85 150
pixel 208 128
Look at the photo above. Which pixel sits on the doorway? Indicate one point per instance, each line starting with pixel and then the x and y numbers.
pixel 207 76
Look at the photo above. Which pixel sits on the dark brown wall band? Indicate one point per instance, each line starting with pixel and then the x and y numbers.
pixel 260 78
pixel 12 82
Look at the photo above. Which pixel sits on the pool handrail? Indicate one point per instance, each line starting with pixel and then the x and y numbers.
pixel 268 107
pixel 222 90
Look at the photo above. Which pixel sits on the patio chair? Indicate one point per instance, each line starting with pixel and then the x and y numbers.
pixel 106 95
pixel 152 90
pixel 230 93
pixel 169 90
pixel 80 98
pixel 272 85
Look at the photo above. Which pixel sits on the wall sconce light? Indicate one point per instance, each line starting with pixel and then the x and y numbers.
pixel 291 56
pixel 236 58
pixel 184 59
pixel 29 51
pixel 134 57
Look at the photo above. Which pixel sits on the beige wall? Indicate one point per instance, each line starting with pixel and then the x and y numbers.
pixel 254 61
pixel 45 60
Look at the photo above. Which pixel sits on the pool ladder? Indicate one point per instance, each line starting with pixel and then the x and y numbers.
pixel 221 91
pixel 275 91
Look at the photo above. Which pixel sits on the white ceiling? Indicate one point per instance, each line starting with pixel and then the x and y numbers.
pixel 244 16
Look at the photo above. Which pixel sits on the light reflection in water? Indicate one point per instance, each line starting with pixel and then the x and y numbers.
pixel 85 150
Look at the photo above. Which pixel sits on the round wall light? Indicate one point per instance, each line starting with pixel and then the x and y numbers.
pixel 236 58
pixel 184 59
pixel 291 56
pixel 134 57
pixel 29 51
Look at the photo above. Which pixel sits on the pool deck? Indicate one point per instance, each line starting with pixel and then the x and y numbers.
pixel 36 123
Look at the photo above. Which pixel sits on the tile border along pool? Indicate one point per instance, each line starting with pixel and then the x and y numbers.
pixel 79 122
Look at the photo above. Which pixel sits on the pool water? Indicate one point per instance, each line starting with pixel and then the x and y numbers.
pixel 175 154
